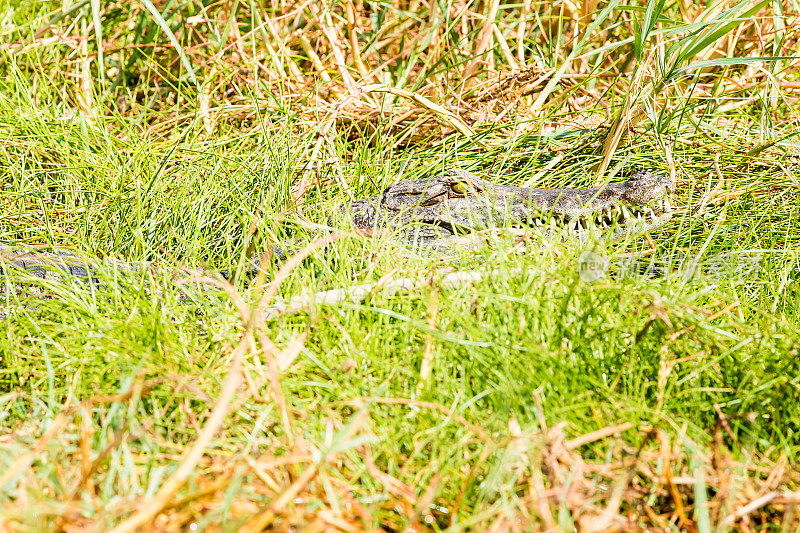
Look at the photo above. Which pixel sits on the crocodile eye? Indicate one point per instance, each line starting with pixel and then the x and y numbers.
pixel 464 187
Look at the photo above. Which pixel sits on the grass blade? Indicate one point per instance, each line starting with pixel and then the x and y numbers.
pixel 643 32
pixel 721 26
pixel 725 61
pixel 98 35
pixel 172 39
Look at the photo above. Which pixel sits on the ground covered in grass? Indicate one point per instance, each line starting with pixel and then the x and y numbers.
pixel 524 385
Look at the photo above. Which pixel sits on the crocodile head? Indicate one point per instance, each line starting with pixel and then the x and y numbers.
pixel 435 211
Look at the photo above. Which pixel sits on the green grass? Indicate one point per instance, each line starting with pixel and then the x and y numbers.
pixel 693 341
pixel 593 352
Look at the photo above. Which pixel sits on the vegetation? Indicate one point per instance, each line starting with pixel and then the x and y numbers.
pixel 653 383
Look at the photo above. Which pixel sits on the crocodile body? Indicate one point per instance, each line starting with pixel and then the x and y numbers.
pixel 435 213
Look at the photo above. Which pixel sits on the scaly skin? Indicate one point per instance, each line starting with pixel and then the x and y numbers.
pixel 435 212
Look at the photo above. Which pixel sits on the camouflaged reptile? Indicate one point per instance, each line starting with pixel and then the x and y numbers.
pixel 436 214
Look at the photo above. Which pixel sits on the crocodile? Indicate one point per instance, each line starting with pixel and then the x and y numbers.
pixel 436 213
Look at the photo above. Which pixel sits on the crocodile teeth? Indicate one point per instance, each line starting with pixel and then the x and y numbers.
pixel 625 212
